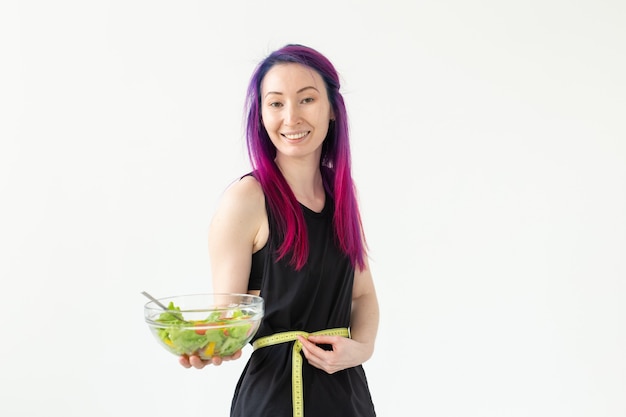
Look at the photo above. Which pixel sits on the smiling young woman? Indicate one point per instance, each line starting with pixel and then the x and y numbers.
pixel 296 111
pixel 290 231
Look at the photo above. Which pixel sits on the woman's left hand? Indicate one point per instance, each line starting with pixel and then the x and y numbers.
pixel 345 353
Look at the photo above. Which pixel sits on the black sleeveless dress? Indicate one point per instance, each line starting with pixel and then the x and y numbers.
pixel 317 297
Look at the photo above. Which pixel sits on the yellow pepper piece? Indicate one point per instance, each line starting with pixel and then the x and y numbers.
pixel 208 352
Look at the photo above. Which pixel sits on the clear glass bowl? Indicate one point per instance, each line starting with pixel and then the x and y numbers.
pixel 206 325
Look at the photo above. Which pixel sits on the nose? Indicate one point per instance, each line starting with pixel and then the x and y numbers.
pixel 292 115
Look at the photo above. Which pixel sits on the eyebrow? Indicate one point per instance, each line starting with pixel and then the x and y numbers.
pixel 297 92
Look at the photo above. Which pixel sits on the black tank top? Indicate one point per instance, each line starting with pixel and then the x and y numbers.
pixel 317 297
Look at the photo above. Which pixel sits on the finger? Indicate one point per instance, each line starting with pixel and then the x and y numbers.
pixel 184 361
pixel 235 355
pixel 318 361
pixel 196 362
pixel 308 346
pixel 312 352
pixel 323 339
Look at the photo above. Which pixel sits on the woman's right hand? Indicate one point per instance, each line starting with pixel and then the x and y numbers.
pixel 195 361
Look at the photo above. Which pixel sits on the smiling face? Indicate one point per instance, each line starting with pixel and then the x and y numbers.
pixel 295 110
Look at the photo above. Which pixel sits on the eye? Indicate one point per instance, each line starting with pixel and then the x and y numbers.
pixel 308 100
pixel 275 104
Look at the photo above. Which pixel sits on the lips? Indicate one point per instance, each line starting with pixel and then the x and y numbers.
pixel 295 136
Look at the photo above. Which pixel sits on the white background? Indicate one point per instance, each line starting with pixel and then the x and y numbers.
pixel 489 148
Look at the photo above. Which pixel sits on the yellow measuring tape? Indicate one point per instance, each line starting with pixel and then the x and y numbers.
pixel 296 359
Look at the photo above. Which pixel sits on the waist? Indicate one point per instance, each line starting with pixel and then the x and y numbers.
pixel 296 359
pixel 290 336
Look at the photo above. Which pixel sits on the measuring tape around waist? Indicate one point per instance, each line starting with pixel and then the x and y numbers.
pixel 296 359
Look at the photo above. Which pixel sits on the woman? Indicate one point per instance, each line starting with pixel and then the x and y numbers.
pixel 290 231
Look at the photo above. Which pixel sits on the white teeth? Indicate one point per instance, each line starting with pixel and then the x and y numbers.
pixel 296 135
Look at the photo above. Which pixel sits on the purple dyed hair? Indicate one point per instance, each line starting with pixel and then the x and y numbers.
pixel 335 163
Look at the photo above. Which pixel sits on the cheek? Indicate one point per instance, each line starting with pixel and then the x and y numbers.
pixel 271 124
pixel 266 120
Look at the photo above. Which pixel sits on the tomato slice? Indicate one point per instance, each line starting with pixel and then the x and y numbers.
pixel 201 332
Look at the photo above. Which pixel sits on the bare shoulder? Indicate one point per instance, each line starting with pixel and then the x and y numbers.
pixel 244 195
pixel 241 213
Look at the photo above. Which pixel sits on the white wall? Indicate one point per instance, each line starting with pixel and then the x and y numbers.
pixel 489 145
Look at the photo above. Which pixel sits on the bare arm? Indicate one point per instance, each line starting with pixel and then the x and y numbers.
pixel 234 234
pixel 365 312
pixel 238 228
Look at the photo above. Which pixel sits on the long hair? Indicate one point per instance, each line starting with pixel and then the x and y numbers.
pixel 335 164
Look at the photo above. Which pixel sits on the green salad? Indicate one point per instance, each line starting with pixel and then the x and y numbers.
pixel 213 336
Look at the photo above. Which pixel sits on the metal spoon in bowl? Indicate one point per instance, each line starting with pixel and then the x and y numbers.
pixel 157 302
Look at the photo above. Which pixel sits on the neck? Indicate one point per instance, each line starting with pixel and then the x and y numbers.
pixel 305 180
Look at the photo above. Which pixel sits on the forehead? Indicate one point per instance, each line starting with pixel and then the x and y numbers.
pixel 291 77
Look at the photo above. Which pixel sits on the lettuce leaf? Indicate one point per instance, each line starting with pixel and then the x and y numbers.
pixel 181 338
